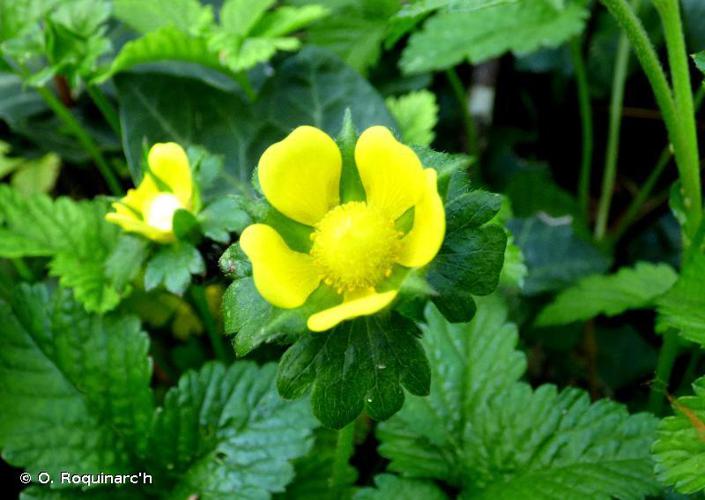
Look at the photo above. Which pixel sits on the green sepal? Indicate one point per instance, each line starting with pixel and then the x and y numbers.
pixel 172 266
pixel 471 258
pixel 361 364
pixel 186 227
pixel 351 188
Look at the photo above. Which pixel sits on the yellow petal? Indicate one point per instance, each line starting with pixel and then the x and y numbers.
pixel 350 308
pixel 285 278
pixel 424 240
pixel 300 176
pixel 169 163
pixel 130 223
pixel 390 172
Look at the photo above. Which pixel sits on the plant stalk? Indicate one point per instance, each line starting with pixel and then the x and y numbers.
pixel 343 451
pixel 666 359
pixel 462 98
pixel 586 121
pixel 200 302
pixel 106 108
pixel 83 137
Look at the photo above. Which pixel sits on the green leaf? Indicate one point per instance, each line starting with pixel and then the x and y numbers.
pixel 491 436
pixel 76 393
pixel 629 288
pixel 417 115
pixel 17 102
pixel 164 44
pixel 454 35
pixel 314 471
pixel 287 19
pixel 683 306
pixel 388 486
pixel 74 234
pixel 224 216
pixel 144 16
pixel 555 256
pixel 225 430
pixel 679 450
pixel 699 59
pixel 240 16
pixel 125 261
pixel 361 364
pixel 172 266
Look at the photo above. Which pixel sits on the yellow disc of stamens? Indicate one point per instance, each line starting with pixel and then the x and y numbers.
pixel 355 246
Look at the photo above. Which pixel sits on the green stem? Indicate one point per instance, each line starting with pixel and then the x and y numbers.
pixel 23 269
pixel 689 162
pixel 609 175
pixel 244 82
pixel 462 98
pixel 586 119
pixel 105 107
pixel 198 297
pixel 645 191
pixel 343 451
pixel 83 137
pixel 666 359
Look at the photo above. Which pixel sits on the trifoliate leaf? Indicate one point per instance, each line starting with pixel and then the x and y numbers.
pixel 390 487
pixel 143 16
pixel 491 436
pixel 74 234
pixel 417 115
pixel 629 288
pixel 225 430
pixel 454 35
pixel 172 266
pixel 679 450
pixel 554 254
pixel 75 387
pixel 683 306
pixel 361 364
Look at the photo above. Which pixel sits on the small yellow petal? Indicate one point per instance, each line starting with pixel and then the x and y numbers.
pixel 169 163
pixel 132 224
pixel 350 308
pixel 300 176
pixel 391 173
pixel 285 278
pixel 424 240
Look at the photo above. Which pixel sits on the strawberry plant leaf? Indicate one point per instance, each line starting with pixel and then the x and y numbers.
pixel 417 115
pixel 679 449
pixel 76 390
pixel 225 429
pixel 389 486
pixel 629 288
pixel 172 266
pixel 484 432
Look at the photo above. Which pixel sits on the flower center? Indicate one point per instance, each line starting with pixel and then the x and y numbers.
pixel 354 247
pixel 160 213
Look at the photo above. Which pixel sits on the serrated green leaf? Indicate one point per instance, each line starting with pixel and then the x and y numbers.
pixel 454 35
pixel 240 16
pixel 679 450
pixel 164 44
pixel 225 431
pixel 699 59
pixel 629 288
pixel 683 306
pixel 361 364
pixel 125 261
pixel 75 387
pixel 484 432
pixel 16 101
pixel 285 20
pixel 144 16
pixel 554 254
pixel 172 266
pixel 74 234
pixel 391 487
pixel 224 216
pixel 417 115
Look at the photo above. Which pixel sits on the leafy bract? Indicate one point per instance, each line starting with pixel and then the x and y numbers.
pixel 629 288
pixel 75 387
pixel 225 430
pixel 416 114
pixel 683 306
pixel 554 254
pixel 679 450
pixel 74 234
pixel 494 437
pixel 454 35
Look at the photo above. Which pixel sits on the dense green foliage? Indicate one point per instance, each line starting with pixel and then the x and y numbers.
pixel 551 349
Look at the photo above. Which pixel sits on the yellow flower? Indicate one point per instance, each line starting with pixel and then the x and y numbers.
pixel 165 188
pixel 356 245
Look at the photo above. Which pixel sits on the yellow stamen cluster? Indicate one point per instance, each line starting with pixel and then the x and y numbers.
pixel 355 247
